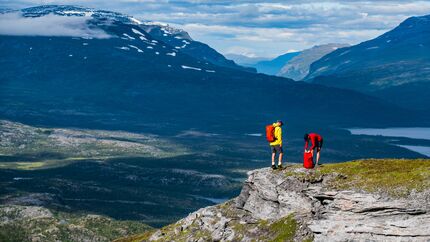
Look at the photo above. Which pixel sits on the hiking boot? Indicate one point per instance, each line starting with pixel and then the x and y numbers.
pixel 273 167
pixel 280 167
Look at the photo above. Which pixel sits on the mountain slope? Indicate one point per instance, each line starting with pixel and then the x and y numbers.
pixel 121 81
pixel 337 202
pixel 385 66
pixel 271 67
pixel 298 67
pixel 177 38
pixel 181 40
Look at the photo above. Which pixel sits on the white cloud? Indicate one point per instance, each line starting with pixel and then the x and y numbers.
pixel 269 27
pixel 269 42
pixel 49 25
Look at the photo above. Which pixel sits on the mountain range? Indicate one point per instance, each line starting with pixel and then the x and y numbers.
pixel 394 66
pixel 122 80
pixel 105 114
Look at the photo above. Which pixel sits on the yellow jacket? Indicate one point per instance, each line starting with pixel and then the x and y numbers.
pixel 278 135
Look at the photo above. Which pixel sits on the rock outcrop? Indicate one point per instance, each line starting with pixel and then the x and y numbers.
pixel 298 205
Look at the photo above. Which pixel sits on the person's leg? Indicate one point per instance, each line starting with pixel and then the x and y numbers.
pixel 281 154
pixel 318 155
pixel 273 158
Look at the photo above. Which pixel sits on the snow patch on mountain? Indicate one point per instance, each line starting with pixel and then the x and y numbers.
pixel 137 32
pixel 191 68
pixel 136 48
pixel 123 48
pixel 128 36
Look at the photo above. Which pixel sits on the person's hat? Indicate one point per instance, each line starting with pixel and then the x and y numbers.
pixel 280 121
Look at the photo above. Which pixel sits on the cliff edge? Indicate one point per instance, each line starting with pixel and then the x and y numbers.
pixel 365 200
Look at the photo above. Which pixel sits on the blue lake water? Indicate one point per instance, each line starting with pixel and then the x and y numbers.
pixel 412 133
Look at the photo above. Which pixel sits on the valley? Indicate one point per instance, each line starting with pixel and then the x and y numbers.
pixel 154 179
pixel 122 125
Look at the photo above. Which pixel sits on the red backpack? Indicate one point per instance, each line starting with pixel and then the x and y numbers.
pixel 270 133
pixel 308 160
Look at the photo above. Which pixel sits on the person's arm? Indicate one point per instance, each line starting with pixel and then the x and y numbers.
pixel 313 144
pixel 306 144
pixel 279 137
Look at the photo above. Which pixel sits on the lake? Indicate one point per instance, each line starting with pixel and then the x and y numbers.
pixel 412 133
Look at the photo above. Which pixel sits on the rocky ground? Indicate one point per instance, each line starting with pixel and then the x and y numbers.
pixel 317 205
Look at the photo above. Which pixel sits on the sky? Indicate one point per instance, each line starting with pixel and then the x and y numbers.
pixel 262 28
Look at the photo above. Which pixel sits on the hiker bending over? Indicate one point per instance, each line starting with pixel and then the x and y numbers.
pixel 317 142
pixel 275 139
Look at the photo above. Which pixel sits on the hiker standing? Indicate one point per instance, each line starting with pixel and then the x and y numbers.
pixel 317 142
pixel 274 136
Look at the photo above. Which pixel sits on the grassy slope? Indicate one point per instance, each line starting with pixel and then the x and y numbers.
pixel 398 177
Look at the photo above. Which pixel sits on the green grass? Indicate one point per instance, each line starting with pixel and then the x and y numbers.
pixel 397 177
pixel 284 229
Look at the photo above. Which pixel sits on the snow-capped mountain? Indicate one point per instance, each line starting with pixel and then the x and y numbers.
pixel 177 38
pixel 71 66
pixel 181 40
pixel 394 66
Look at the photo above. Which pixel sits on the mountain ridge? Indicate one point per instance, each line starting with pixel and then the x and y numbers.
pixel 120 81
pixel 384 66
pixel 178 38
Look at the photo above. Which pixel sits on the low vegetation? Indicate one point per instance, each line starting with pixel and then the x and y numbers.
pixel 24 147
pixel 32 223
pixel 397 177
pixel 281 230
pixel 284 229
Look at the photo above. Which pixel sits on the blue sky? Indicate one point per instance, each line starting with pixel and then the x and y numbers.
pixel 262 28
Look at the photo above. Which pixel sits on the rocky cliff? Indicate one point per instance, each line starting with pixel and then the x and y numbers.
pixel 367 200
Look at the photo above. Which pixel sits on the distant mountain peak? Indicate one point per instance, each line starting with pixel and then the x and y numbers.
pixel 298 67
pixel 166 29
pixel 104 24
pixel 392 65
